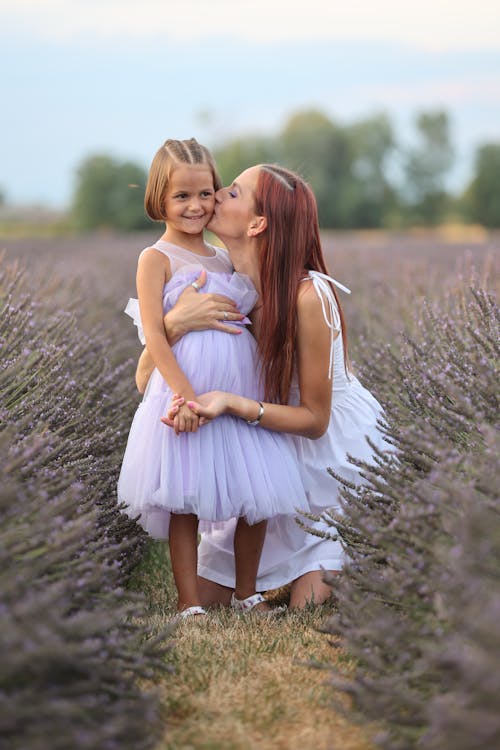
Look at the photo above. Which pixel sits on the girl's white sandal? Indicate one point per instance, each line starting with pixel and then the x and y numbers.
pixel 246 605
pixel 195 611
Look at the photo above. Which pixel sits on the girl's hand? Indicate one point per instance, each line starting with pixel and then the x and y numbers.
pixel 173 410
pixel 197 312
pixel 180 416
pixel 185 420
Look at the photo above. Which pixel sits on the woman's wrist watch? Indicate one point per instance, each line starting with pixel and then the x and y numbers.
pixel 255 422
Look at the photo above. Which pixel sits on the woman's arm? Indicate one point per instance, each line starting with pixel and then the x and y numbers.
pixel 197 312
pixel 311 418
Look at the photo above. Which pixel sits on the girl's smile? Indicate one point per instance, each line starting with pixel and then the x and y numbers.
pixel 190 198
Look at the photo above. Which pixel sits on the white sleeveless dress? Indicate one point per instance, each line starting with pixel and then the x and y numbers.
pixel 227 469
pixel 289 551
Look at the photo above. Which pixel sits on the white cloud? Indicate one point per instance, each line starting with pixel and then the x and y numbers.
pixel 432 24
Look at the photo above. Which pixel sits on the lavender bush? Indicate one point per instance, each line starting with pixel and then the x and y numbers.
pixel 417 607
pixel 57 378
pixel 398 600
pixel 465 714
pixel 78 659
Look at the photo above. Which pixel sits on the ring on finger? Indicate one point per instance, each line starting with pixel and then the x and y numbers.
pixel 225 315
pixel 195 285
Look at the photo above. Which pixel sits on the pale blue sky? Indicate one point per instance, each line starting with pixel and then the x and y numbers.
pixel 87 76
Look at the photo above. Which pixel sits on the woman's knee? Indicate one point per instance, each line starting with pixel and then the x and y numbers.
pixel 310 588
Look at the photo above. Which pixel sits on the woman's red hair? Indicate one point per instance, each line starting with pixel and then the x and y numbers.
pixel 289 247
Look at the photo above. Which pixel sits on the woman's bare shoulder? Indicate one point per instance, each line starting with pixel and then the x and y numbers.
pixel 308 301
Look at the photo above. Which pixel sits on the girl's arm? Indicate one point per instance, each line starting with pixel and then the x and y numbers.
pixel 311 418
pixel 152 274
pixel 145 367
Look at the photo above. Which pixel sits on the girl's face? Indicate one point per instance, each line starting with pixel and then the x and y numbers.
pixel 190 198
pixel 235 207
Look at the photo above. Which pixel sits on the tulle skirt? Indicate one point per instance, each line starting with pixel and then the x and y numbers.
pixel 227 469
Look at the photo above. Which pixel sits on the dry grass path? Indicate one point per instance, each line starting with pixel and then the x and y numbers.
pixel 248 682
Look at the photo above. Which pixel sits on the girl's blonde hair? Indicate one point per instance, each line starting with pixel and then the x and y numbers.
pixel 171 153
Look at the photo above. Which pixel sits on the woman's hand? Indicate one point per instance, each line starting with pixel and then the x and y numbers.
pixel 197 312
pixel 208 406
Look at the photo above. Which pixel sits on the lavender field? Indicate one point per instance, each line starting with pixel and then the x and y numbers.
pixel 418 605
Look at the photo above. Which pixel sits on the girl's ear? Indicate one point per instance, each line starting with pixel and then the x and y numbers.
pixel 257 226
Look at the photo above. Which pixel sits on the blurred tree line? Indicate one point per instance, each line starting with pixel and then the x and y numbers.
pixel 362 176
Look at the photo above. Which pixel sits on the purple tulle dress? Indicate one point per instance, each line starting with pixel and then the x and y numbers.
pixel 227 469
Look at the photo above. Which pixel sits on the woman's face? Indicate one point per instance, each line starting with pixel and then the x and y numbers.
pixel 235 207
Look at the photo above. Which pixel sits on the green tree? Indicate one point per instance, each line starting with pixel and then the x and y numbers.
pixel 310 144
pixel 482 197
pixel 241 153
pixel 320 149
pixel 109 193
pixel 426 166
pixel 370 191
pixel 346 165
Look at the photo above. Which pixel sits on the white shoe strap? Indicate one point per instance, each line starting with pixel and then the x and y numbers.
pixel 249 603
pixel 190 611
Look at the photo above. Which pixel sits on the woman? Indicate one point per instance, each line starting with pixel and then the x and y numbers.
pixel 268 221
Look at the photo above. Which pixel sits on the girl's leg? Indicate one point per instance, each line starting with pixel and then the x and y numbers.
pixel 248 543
pixel 310 588
pixel 183 541
pixel 213 594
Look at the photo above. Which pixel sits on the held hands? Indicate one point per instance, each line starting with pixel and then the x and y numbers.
pixel 208 406
pixel 185 420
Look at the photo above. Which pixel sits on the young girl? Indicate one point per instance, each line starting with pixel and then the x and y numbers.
pixel 229 469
